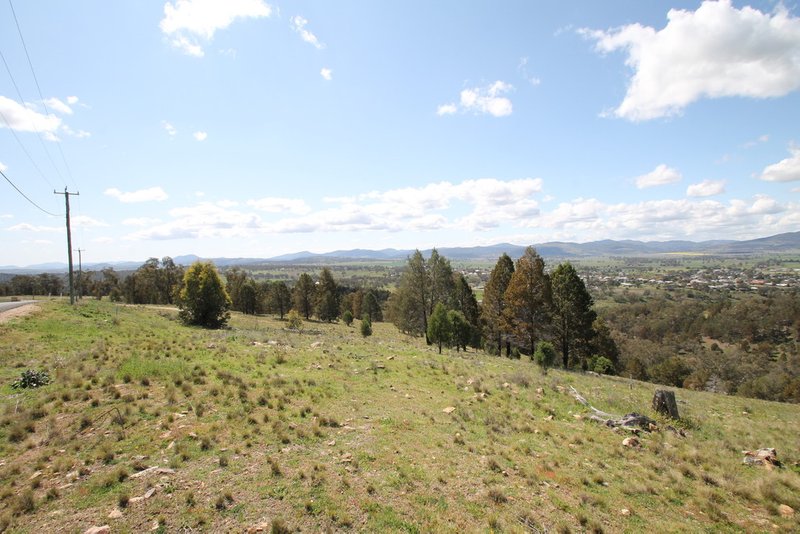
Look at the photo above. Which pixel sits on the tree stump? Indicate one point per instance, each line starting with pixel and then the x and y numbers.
pixel 664 403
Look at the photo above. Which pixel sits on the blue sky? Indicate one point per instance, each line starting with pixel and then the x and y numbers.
pixel 247 128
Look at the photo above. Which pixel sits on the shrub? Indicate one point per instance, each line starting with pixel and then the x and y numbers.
pixel 603 366
pixel 203 300
pixel 295 320
pixel 347 317
pixel 545 355
pixel 31 379
pixel 366 327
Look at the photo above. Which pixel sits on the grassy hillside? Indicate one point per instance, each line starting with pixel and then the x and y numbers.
pixel 323 429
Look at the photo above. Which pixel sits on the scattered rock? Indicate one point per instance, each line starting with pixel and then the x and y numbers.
pixel 332 443
pixel 631 442
pixel 171 445
pixel 264 526
pixel 786 510
pixel 625 512
pixel 116 513
pixel 539 391
pixel 767 457
pixel 347 458
pixel 149 493
pixel 36 475
pixel 449 409
pixel 506 385
pixel 548 418
pixel 153 470
pixel 211 346
pixel 105 529
pixel 317 344
pixel 578 416
pixel 390 358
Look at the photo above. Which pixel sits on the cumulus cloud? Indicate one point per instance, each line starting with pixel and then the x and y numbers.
pixel 152 194
pixel 84 221
pixel 205 220
pixel 786 170
pixel 661 175
pixel 25 227
pixel 2 167
pixel 482 100
pixel 299 24
pixel 200 136
pixel 715 51
pixel 326 73
pixel 706 188
pixel 169 128
pixel 487 202
pixel 280 205
pixel 57 105
pixel 186 21
pixel 140 221
pixel 25 119
pixel 589 219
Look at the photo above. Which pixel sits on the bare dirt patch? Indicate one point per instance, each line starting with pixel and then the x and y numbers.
pixel 22 311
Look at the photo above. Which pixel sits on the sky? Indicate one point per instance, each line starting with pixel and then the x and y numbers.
pixel 248 128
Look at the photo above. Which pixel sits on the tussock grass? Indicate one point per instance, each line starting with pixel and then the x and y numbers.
pixel 325 430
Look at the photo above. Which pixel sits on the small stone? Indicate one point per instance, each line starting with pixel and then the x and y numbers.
pixel 149 493
pixel 506 385
pixel 630 442
pixel 105 529
pixel 331 443
pixel 578 416
pixel 171 445
pixel 548 418
pixel 116 513
pixel 36 475
pixel 449 409
pixel 625 512
pixel 539 391
pixel 390 358
pixel 786 510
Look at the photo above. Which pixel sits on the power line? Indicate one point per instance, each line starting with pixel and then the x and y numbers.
pixel 22 146
pixel 26 196
pixel 33 124
pixel 38 88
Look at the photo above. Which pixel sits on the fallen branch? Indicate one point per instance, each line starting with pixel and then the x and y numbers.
pixel 632 421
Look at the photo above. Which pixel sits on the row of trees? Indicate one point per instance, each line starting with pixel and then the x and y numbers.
pixel 522 306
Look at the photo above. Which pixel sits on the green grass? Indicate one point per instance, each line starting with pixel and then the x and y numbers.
pixel 314 432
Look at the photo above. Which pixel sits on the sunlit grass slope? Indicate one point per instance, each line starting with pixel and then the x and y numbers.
pixel 323 429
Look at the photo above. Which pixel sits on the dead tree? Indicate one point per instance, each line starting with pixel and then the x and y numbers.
pixel 664 403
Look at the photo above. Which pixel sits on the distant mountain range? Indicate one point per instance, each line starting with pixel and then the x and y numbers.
pixel 781 243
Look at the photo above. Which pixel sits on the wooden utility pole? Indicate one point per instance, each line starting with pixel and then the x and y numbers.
pixel 80 272
pixel 69 244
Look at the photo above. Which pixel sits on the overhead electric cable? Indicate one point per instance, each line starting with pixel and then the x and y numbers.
pixel 25 196
pixel 35 79
pixel 22 146
pixel 35 129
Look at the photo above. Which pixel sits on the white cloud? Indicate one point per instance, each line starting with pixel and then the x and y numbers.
pixel 103 240
pixel 143 195
pixel 25 119
pixel 140 221
pixel 57 105
pixel 482 100
pixel 2 167
pixel 786 170
pixel 280 205
pixel 761 139
pixel 80 134
pixel 661 175
pixel 326 73
pixel 187 20
pixel 446 109
pixel 716 51
pixel 169 128
pixel 522 68
pixel 590 219
pixel 299 24
pixel 25 227
pixel 72 100
pixel 200 136
pixel 84 221
pixel 706 188
pixel 204 220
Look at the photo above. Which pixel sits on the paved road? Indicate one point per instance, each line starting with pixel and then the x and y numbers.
pixel 5 306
